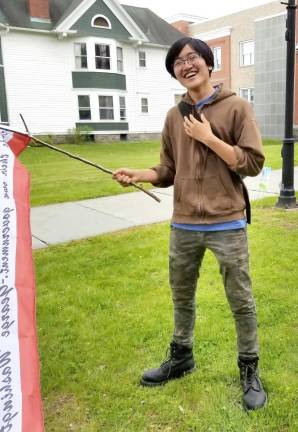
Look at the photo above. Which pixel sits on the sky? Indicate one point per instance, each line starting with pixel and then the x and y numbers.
pixel 202 8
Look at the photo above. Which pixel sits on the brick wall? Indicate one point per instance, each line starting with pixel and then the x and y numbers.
pixel 224 74
pixel 182 26
pixel 39 9
pixel 242 24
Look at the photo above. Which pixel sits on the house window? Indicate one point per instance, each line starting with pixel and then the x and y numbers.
pixel 84 107
pixel 101 21
pixel 102 56
pixel 81 55
pixel 248 94
pixel 144 105
pixel 119 59
pixel 122 108
pixel 142 59
pixel 247 53
pixel 217 58
pixel 106 107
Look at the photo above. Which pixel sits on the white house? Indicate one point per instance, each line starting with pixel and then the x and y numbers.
pixel 71 63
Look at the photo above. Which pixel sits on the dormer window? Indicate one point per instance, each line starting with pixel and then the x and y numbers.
pixel 100 21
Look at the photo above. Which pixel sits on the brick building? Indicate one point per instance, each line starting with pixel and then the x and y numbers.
pixel 250 57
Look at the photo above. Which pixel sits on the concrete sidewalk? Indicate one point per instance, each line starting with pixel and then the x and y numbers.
pixel 59 223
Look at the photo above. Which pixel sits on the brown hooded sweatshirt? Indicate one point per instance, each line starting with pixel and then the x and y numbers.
pixel 206 189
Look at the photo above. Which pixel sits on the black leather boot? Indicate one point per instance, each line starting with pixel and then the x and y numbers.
pixel 254 396
pixel 179 362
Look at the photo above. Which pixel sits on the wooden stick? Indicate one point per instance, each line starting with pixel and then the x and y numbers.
pixel 73 156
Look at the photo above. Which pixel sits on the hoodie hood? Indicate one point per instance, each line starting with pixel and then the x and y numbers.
pixel 220 94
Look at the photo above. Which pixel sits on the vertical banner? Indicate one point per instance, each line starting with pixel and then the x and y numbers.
pixel 20 397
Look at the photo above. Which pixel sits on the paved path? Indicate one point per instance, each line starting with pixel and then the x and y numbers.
pixel 59 223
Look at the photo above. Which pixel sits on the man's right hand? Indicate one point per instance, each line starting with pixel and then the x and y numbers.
pixel 127 176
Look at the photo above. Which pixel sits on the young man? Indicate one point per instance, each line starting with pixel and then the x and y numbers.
pixel 204 156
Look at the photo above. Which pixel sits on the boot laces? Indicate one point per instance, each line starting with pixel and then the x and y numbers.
pixel 170 355
pixel 250 377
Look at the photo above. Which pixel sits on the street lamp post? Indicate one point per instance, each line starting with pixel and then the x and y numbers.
pixel 287 198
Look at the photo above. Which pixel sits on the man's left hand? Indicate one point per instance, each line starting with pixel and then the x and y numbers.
pixel 199 130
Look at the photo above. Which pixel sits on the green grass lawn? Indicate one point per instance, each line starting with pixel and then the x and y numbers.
pixel 57 178
pixel 105 315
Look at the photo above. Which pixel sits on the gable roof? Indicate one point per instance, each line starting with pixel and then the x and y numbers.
pixel 68 10
pixel 78 9
pixel 156 29
pixel 15 13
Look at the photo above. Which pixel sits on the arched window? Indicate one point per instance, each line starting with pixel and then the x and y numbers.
pixel 101 21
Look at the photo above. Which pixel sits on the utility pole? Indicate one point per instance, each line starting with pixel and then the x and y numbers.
pixel 287 198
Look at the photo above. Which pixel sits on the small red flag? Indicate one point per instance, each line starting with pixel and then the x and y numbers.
pixel 16 140
pixel 20 396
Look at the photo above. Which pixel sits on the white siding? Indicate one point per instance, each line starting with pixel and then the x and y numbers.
pixel 38 81
pixel 152 82
pixel 38 71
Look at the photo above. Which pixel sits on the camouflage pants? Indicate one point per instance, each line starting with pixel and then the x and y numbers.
pixel 187 249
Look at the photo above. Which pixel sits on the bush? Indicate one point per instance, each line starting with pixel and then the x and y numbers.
pixel 79 134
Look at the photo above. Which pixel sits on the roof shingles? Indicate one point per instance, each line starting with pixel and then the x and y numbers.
pixel 15 13
pixel 155 28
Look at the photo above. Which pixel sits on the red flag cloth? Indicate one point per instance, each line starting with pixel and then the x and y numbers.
pixel 20 396
pixel 16 140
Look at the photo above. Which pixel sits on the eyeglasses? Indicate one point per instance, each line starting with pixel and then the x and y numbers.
pixel 191 59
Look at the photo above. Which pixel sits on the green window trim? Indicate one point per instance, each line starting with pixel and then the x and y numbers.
pixel 1 58
pixel 3 98
pixel 105 126
pixel 98 80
